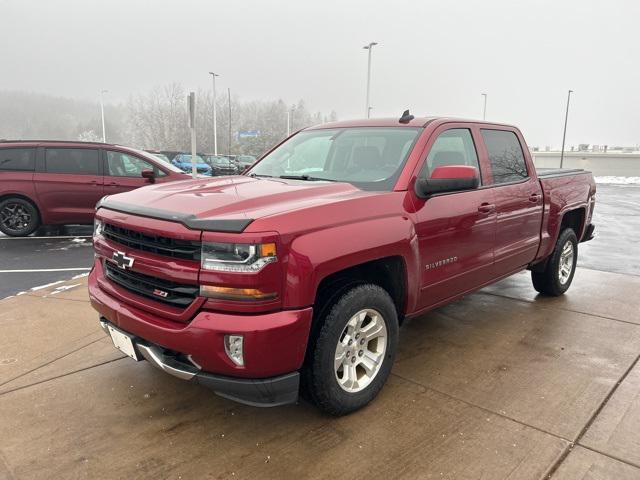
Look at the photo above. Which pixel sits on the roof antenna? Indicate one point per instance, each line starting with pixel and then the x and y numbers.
pixel 406 117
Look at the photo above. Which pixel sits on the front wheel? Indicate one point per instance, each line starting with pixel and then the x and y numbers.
pixel 558 273
pixel 352 354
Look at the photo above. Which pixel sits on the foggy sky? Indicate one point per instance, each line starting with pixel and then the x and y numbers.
pixel 434 57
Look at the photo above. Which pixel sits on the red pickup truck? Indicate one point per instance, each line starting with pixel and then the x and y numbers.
pixel 296 275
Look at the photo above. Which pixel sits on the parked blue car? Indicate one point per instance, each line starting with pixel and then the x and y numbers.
pixel 183 162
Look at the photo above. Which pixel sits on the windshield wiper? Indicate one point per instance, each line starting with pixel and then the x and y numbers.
pixel 307 178
pixel 257 175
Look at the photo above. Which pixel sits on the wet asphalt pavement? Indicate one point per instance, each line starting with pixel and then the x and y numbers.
pixel 48 256
pixel 615 249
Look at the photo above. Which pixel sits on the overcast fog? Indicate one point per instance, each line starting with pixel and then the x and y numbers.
pixel 434 57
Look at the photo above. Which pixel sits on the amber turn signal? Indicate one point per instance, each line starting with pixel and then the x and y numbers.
pixel 229 293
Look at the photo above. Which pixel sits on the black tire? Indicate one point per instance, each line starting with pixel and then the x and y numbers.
pixel 550 281
pixel 18 217
pixel 319 379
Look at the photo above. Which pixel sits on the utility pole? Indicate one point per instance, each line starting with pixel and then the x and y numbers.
pixel 484 109
pixel 229 94
pixel 564 133
pixel 191 106
pixel 215 132
pixel 288 122
pixel 368 105
pixel 104 135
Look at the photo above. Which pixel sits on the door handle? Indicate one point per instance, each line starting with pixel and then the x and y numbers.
pixel 486 208
pixel 112 184
pixel 534 197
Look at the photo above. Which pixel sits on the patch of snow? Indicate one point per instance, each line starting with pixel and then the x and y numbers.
pixel 78 240
pixel 618 180
pixel 75 277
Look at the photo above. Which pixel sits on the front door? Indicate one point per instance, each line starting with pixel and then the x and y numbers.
pixel 456 231
pixel 123 172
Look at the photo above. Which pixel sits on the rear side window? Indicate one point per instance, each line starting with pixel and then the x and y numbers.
pixel 452 147
pixel 505 156
pixel 17 159
pixel 80 161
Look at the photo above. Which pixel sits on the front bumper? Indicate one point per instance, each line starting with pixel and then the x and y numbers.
pixel 262 392
pixel 274 343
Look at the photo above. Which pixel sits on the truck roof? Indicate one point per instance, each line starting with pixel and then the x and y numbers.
pixel 394 122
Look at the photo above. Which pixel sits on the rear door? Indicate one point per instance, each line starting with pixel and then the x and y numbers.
pixel 456 230
pixel 123 172
pixel 70 184
pixel 518 199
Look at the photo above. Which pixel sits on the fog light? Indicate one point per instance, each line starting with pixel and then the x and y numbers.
pixel 233 347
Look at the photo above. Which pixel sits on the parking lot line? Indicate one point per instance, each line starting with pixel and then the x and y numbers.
pixel 85 269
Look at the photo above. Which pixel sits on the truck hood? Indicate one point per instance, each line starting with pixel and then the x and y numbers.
pixel 220 203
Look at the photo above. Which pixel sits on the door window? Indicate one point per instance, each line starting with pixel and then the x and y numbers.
pixel 17 159
pixel 80 161
pixel 505 156
pixel 452 147
pixel 123 165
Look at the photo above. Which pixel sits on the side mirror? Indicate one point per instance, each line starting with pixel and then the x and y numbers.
pixel 149 175
pixel 449 178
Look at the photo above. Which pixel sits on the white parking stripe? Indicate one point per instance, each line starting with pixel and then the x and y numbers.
pixel 45 238
pixel 48 270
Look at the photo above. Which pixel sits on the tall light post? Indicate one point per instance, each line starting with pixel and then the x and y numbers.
pixel 368 105
pixel 104 134
pixel 215 131
pixel 564 133
pixel 484 108
pixel 229 94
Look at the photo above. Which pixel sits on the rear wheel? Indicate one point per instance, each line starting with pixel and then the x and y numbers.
pixel 558 273
pixel 18 217
pixel 352 353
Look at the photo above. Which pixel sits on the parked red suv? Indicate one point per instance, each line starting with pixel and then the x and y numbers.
pixel 58 183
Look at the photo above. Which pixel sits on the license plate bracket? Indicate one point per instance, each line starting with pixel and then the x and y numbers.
pixel 124 343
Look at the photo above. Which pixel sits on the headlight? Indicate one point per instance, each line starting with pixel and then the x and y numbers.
pixel 237 257
pixel 97 227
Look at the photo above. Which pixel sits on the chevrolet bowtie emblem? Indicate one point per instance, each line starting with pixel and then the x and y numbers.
pixel 122 261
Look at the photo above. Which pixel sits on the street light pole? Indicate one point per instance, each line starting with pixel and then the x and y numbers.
pixel 229 94
pixel 104 135
pixel 368 105
pixel 288 122
pixel 215 131
pixel 564 133
pixel 484 109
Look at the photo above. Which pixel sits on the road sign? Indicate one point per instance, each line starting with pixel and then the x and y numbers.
pixel 248 133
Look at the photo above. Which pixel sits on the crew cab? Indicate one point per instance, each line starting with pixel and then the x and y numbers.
pixel 295 276
pixel 57 182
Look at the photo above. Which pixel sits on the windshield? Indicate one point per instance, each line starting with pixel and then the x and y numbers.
pixel 370 158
